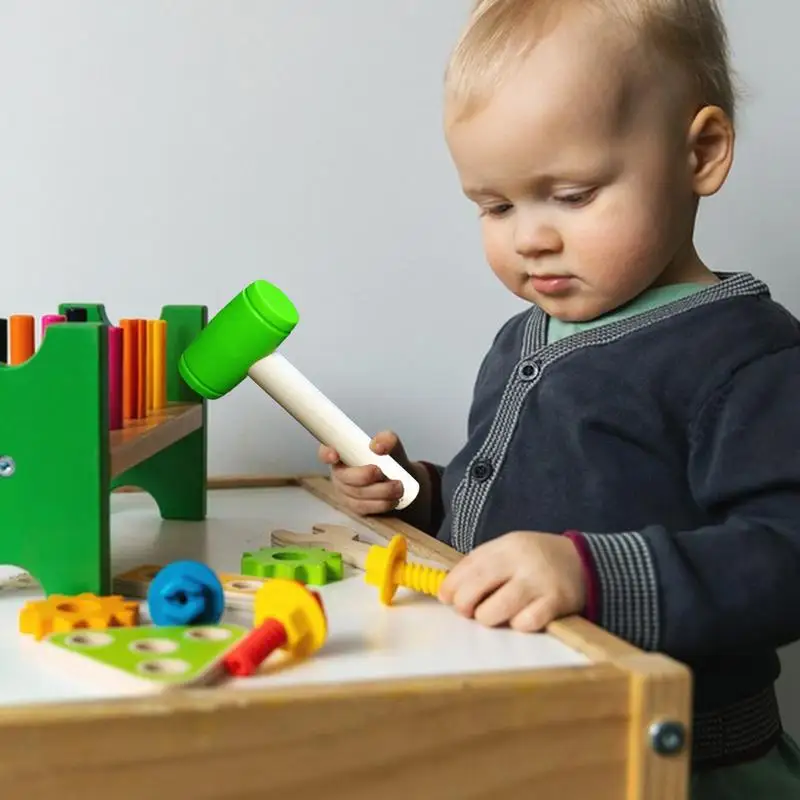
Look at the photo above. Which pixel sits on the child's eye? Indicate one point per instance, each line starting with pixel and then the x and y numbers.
pixel 576 198
pixel 496 210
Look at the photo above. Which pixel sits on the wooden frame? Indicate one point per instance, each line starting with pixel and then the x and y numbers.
pixel 591 732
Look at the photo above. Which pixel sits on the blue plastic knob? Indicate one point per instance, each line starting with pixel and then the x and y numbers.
pixel 185 593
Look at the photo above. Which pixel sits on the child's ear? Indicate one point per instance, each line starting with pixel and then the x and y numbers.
pixel 710 145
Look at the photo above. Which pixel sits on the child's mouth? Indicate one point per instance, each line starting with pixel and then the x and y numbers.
pixel 550 284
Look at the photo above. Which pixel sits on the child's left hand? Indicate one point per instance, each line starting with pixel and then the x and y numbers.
pixel 524 578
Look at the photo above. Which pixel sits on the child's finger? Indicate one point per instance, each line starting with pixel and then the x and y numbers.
pixel 369 507
pixel 384 442
pixel 535 616
pixel 457 576
pixel 503 604
pixel 390 491
pixel 327 454
pixel 474 578
pixel 358 476
pixel 473 592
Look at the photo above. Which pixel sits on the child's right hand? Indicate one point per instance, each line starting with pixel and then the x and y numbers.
pixel 366 490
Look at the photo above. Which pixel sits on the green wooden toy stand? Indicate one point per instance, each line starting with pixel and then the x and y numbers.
pixel 59 462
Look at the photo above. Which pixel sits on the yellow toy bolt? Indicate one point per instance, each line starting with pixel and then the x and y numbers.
pixel 289 616
pixel 387 569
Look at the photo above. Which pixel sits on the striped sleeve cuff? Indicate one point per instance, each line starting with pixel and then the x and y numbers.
pixel 622 591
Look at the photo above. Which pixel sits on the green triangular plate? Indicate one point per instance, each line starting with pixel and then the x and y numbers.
pixel 147 658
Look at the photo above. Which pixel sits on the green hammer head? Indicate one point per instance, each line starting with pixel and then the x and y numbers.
pixel 249 328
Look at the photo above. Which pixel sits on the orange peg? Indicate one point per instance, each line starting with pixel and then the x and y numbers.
pixel 149 390
pixel 158 346
pixel 130 368
pixel 141 365
pixel 23 342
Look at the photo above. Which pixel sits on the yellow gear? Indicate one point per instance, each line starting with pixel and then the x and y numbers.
pixel 61 612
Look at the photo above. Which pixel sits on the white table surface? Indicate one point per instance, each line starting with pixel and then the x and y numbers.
pixel 415 637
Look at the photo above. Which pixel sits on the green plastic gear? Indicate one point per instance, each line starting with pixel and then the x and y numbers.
pixel 313 565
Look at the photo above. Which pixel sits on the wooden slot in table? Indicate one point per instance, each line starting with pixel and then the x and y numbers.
pixel 460 723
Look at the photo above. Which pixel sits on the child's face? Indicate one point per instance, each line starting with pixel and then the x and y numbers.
pixel 580 167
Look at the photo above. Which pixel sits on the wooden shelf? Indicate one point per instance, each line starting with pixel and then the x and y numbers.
pixel 141 438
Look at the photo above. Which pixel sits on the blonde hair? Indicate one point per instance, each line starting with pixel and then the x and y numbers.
pixel 499 33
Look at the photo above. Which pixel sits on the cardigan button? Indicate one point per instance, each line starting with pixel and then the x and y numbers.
pixel 529 370
pixel 481 470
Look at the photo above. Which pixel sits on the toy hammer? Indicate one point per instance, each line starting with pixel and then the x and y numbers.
pixel 241 340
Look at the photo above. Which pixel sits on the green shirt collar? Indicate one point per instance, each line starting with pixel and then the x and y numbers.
pixel 648 300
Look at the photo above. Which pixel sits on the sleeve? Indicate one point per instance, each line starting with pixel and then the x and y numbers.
pixel 733 583
pixel 435 472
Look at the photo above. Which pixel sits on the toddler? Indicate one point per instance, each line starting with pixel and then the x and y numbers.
pixel 633 443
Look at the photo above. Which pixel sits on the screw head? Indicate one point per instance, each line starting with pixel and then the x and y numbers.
pixel 7 466
pixel 668 738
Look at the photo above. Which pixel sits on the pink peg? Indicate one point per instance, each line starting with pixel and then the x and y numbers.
pixel 114 378
pixel 51 319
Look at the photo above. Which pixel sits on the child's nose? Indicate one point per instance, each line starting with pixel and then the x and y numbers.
pixel 534 238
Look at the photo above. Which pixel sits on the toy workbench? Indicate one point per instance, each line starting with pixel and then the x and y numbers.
pixel 402 700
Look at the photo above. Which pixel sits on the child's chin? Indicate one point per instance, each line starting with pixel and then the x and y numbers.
pixel 571 309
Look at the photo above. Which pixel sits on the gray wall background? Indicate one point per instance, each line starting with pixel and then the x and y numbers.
pixel 172 152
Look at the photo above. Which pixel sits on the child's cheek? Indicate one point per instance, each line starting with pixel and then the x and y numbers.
pixel 498 248
pixel 619 248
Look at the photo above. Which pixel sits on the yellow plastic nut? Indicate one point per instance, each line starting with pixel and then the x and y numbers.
pixel 386 568
pixel 298 609
pixel 59 613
